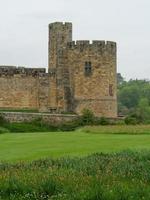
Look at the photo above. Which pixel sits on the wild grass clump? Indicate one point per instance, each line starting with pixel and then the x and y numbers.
pixel 4 130
pixel 2 121
pixel 119 129
pixel 37 125
pixel 114 176
pixel 26 127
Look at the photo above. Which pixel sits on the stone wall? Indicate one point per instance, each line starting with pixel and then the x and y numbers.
pixel 22 88
pixel 92 70
pixel 81 75
pixel 72 88
pixel 28 117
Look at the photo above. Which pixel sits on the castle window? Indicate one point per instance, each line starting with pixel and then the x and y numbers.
pixel 63 38
pixel 111 90
pixel 88 68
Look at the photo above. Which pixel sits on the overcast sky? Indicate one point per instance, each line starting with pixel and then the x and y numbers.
pixel 24 30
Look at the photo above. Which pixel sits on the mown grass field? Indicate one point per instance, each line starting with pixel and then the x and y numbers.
pixel 85 141
pixel 71 165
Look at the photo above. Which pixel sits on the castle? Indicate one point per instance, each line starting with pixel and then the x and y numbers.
pixel 80 75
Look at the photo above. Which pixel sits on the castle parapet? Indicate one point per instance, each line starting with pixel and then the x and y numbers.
pixel 13 70
pixel 82 42
pixel 57 25
pixel 111 46
pixel 96 45
pixel 52 72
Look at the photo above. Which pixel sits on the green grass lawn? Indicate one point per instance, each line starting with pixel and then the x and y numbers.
pixel 31 146
pixel 110 176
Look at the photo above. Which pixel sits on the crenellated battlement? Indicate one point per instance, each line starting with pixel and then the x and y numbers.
pixel 62 25
pixel 52 72
pixel 14 70
pixel 82 43
pixel 96 45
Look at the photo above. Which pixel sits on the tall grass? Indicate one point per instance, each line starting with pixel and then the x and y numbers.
pixel 117 129
pixel 121 176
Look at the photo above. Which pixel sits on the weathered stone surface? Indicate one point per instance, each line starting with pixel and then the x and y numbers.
pixel 85 73
pixel 28 117
pixel 81 75
pixel 22 87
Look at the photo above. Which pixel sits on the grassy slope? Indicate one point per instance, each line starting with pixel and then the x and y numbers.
pixel 31 146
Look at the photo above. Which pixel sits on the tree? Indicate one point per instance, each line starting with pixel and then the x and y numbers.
pixel 143 109
pixel 134 99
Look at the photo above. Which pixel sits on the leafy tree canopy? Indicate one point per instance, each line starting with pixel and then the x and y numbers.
pixel 134 98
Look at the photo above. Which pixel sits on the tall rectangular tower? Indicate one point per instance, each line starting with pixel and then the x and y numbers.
pixel 59 35
pixel 93 82
pixel 82 74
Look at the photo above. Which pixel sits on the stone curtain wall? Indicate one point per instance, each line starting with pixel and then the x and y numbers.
pixel 22 88
pixel 18 92
pixel 81 75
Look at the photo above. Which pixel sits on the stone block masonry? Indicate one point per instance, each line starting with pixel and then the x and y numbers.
pixel 85 73
pixel 22 88
pixel 45 117
pixel 81 75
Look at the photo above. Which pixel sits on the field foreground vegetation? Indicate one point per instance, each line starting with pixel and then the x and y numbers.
pixel 84 141
pixel 117 176
pixel 62 172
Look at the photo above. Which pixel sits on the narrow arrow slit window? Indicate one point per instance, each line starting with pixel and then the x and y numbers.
pixel 88 68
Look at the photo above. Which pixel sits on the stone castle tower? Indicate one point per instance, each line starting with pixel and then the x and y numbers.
pixel 83 74
pixel 80 75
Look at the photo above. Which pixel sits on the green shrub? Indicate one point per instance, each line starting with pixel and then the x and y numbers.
pixel 40 126
pixel 104 121
pixel 87 117
pixel 3 130
pixel 47 188
pixel 2 120
pixel 25 127
pixel 131 120
pixel 120 122
pixel 14 186
pixel 134 118
pixel 101 121
pixel 68 126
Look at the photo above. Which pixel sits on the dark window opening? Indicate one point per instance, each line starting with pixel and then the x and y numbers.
pixel 63 38
pixel 111 90
pixel 88 68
